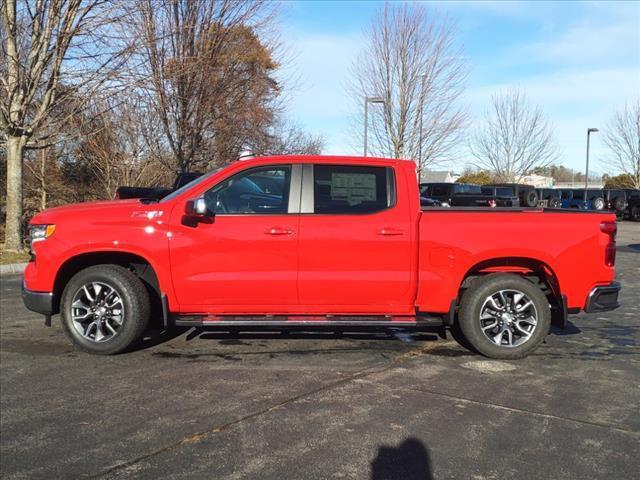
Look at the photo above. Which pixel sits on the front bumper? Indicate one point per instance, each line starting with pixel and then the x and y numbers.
pixel 39 302
pixel 603 298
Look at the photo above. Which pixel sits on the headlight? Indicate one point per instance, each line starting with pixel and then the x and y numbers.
pixel 38 233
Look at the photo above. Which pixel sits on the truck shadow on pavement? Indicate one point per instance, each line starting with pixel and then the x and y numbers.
pixel 155 337
pixel 409 461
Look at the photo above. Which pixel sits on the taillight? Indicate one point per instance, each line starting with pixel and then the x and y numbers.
pixel 493 203
pixel 610 228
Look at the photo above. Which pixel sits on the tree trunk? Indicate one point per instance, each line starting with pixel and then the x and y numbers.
pixel 13 223
pixel 43 183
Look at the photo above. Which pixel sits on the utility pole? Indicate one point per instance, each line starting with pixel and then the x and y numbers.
pixel 367 101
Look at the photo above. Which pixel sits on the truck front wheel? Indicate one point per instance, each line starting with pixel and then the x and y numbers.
pixel 504 316
pixel 105 309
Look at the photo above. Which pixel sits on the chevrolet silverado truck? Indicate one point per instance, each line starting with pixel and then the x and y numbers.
pixel 314 241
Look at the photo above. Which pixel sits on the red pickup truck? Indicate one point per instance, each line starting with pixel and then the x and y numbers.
pixel 309 240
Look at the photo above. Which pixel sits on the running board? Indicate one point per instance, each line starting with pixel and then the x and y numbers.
pixel 305 320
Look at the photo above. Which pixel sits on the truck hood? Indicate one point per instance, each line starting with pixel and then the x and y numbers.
pixel 109 208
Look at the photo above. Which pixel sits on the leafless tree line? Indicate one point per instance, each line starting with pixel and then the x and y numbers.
pixel 622 136
pixel 412 63
pixel 515 137
pixel 99 93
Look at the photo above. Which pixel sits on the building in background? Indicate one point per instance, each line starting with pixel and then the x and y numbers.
pixel 538 181
pixel 439 176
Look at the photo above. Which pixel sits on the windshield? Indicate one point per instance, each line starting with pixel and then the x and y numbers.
pixel 192 183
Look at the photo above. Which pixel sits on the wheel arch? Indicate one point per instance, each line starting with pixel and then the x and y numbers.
pixel 139 265
pixel 533 269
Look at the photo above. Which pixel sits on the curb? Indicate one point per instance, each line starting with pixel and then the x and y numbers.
pixel 12 268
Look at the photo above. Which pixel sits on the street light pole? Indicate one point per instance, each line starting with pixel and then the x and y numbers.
pixel 422 78
pixel 586 175
pixel 367 101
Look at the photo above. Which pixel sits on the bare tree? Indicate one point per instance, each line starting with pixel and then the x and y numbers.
pixel 412 62
pixel 54 55
pixel 623 139
pixel 209 74
pixel 115 145
pixel 286 138
pixel 515 137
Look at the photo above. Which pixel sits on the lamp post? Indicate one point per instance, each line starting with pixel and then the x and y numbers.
pixel 586 175
pixel 422 79
pixel 367 101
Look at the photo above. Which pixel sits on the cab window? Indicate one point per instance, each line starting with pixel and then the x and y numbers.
pixel 341 189
pixel 262 190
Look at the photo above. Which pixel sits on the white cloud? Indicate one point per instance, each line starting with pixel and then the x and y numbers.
pixel 588 43
pixel 573 101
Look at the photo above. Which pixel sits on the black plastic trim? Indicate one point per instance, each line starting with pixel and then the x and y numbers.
pixel 603 298
pixel 39 302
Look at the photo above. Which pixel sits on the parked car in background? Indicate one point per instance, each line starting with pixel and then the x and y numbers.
pixel 503 195
pixel 593 198
pixel 430 202
pixel 344 244
pixel 589 199
pixel 457 194
pixel 615 200
pixel 526 193
pixel 632 211
pixel 567 201
pixel 549 197
pixel 156 193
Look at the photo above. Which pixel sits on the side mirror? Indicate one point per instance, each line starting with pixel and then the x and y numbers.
pixel 196 208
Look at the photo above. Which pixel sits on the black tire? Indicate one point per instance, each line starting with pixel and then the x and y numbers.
pixel 530 198
pixel 619 204
pixel 135 303
pixel 635 213
pixel 597 203
pixel 477 295
pixel 555 203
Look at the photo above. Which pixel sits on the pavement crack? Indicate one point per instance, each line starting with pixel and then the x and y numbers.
pixel 521 410
pixel 200 436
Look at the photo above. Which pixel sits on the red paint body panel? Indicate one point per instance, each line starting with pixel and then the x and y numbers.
pixel 328 264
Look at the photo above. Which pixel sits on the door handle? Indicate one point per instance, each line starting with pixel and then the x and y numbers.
pixel 278 231
pixel 390 232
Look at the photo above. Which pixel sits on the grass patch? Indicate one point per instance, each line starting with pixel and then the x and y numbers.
pixel 7 257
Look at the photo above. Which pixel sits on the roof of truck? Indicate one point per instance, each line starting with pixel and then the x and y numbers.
pixel 324 159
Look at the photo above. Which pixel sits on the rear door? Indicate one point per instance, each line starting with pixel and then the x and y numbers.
pixel 355 241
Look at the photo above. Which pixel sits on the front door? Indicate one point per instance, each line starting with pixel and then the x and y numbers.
pixel 355 249
pixel 243 259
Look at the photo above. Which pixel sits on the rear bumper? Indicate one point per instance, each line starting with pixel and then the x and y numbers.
pixel 39 302
pixel 603 298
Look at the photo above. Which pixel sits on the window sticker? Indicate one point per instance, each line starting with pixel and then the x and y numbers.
pixel 355 188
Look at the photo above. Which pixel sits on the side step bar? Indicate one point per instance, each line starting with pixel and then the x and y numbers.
pixel 305 320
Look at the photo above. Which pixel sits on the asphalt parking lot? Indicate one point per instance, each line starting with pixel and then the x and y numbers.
pixel 315 406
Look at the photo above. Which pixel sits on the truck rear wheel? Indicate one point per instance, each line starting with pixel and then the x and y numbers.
pixel 105 309
pixel 504 316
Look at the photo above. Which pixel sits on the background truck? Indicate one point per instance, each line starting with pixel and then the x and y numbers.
pixel 463 195
pixel 310 240
pixel 156 193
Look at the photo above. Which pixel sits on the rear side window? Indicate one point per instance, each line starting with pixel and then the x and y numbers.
pixel 352 189
pixel 504 192
pixel 439 190
pixel 467 188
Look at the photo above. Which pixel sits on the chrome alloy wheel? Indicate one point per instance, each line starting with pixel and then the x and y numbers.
pixel 508 318
pixel 97 312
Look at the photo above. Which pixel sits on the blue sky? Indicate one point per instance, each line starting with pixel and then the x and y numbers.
pixel 579 60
